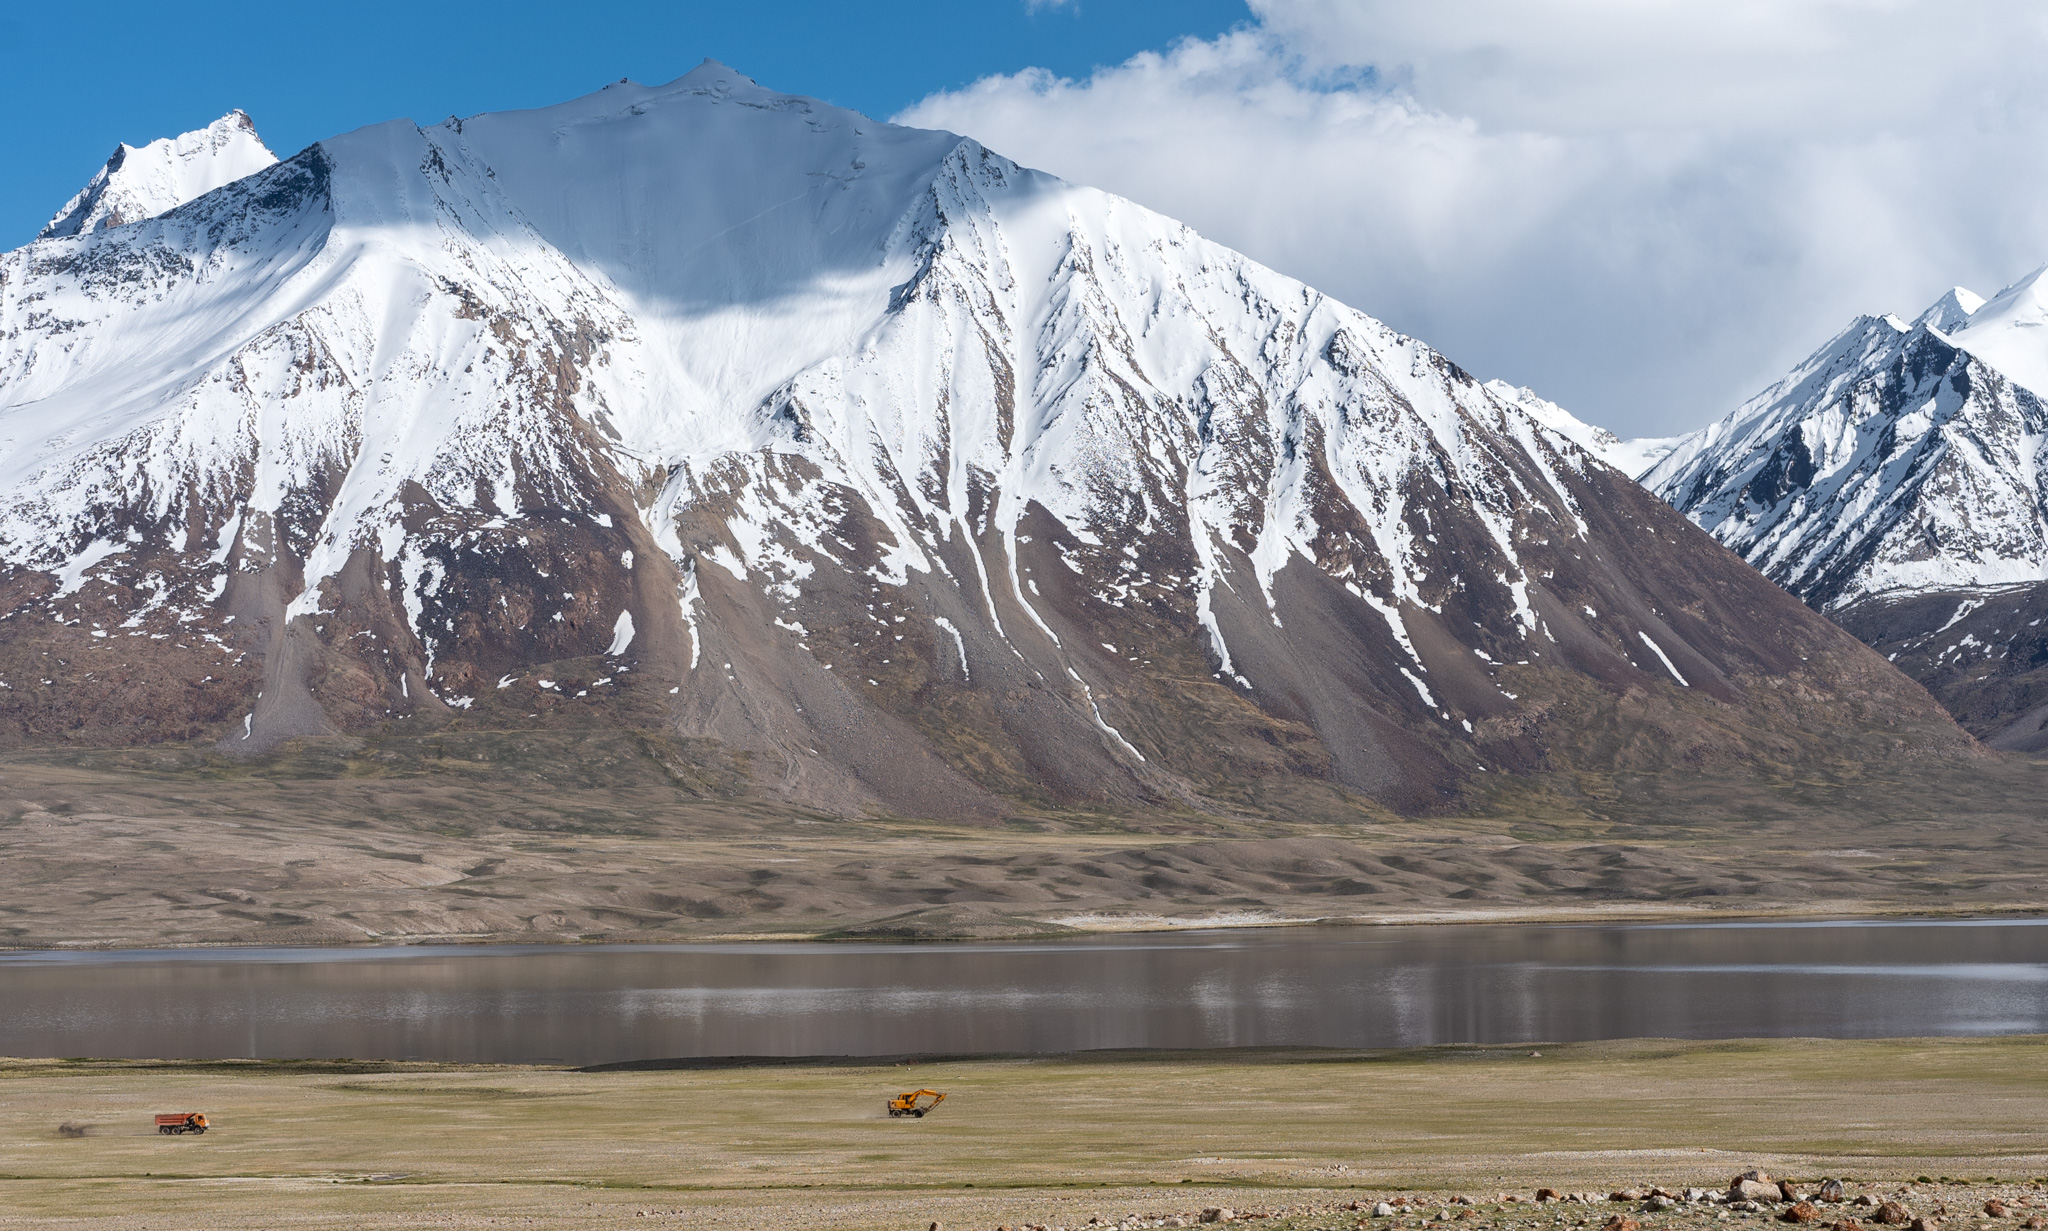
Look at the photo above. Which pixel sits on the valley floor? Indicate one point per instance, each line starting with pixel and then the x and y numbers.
pixel 406 843
pixel 1295 1137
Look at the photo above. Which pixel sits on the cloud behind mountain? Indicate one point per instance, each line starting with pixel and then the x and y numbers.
pixel 1645 211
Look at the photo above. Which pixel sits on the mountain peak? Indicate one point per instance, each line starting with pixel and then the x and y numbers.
pixel 890 475
pixel 1952 311
pixel 709 70
pixel 142 182
pixel 2005 332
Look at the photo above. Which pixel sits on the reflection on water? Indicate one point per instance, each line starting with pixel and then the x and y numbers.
pixel 1332 987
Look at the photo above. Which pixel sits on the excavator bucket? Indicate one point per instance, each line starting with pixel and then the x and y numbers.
pixel 906 1104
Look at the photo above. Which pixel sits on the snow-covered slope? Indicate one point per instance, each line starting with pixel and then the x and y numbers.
pixel 166 173
pixel 1898 479
pixel 2009 332
pixel 1631 457
pixel 893 473
pixel 1896 458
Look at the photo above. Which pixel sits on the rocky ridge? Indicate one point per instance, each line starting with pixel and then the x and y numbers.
pixel 877 471
pixel 138 183
pixel 1895 480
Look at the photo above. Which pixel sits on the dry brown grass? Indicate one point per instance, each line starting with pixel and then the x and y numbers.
pixel 514 837
pixel 1051 1141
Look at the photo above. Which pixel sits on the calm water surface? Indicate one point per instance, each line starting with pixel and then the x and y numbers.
pixel 1330 987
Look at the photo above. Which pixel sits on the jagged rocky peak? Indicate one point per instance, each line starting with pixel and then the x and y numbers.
pixel 1898 479
pixel 142 182
pixel 1898 457
pixel 884 472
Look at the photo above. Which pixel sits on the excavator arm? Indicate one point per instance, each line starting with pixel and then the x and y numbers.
pixel 905 1104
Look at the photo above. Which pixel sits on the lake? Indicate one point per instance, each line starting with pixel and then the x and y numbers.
pixel 1392 986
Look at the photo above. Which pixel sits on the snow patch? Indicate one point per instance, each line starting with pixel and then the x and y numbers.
pixel 622 633
pixel 71 575
pixel 959 643
pixel 1662 657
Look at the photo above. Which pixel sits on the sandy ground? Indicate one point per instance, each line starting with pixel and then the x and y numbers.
pixel 1297 1137
pixel 119 854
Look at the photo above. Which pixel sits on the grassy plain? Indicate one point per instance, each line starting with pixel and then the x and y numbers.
pixel 1053 1141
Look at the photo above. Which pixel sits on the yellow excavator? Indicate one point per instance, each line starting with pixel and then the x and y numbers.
pixel 906 1104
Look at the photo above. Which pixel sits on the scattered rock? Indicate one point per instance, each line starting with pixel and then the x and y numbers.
pixel 1219 1214
pixel 1830 1190
pixel 1546 1194
pixel 1926 1224
pixel 1846 1224
pixel 1625 1194
pixel 1865 1199
pixel 1800 1211
pixel 1788 1193
pixel 1383 1210
pixel 1996 1208
pixel 1622 1222
pixel 2036 1223
pixel 1662 1202
pixel 1891 1214
pixel 1746 1189
pixel 1747 1207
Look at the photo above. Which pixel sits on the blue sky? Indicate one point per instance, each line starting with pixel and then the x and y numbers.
pixel 76 84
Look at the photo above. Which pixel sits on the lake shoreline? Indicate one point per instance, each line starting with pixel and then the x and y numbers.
pixel 1345 987
pixel 1631 913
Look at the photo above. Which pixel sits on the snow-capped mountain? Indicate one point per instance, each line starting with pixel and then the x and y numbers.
pixel 1896 480
pixel 1631 457
pixel 877 470
pixel 159 177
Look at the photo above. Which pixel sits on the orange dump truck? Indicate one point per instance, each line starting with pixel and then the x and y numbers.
pixel 181 1122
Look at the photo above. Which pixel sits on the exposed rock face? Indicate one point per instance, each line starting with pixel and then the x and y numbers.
pixel 1896 480
pixel 886 473
pixel 142 183
pixel 1982 653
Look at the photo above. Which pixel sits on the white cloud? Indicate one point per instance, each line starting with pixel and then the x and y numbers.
pixel 1646 209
